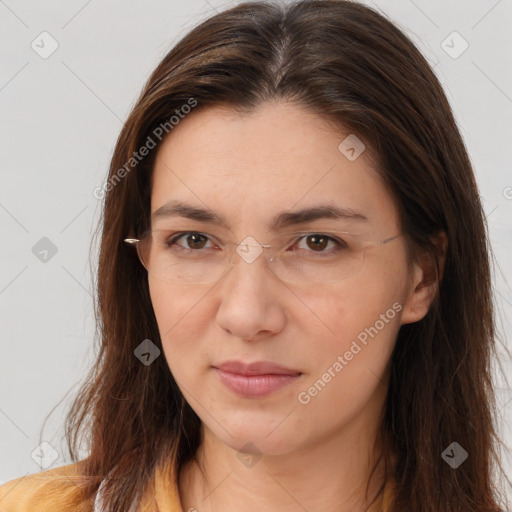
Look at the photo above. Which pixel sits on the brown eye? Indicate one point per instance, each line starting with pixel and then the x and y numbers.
pixel 317 242
pixel 192 241
pixel 195 241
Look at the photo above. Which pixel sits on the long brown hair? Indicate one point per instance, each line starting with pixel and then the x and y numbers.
pixel 353 66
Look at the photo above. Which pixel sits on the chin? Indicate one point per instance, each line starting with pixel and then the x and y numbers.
pixel 256 441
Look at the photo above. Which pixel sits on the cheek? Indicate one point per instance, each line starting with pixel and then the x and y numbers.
pixel 348 365
pixel 362 338
pixel 358 331
pixel 181 320
pixel 346 310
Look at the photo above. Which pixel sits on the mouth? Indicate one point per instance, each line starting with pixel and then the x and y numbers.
pixel 257 379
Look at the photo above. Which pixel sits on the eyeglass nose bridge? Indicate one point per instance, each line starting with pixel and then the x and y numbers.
pixel 249 249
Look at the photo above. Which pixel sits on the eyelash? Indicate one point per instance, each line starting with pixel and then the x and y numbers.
pixel 340 244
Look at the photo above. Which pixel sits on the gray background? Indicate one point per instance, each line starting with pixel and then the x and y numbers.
pixel 59 121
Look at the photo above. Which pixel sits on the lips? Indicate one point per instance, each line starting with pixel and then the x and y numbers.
pixel 256 368
pixel 255 380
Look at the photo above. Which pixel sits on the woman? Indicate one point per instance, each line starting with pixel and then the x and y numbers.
pixel 294 292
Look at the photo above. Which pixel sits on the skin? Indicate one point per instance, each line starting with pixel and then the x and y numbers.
pixel 315 456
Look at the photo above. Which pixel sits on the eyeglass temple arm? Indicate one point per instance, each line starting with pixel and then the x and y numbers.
pixel 135 241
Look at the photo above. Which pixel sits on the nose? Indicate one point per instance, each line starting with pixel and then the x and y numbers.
pixel 250 298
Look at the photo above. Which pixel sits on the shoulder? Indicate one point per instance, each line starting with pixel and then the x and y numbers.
pixel 53 490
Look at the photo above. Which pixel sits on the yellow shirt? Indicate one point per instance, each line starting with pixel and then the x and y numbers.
pixel 55 490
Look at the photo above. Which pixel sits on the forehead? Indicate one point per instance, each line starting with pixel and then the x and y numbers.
pixel 249 166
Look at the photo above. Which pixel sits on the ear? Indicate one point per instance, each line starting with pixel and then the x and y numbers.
pixel 424 282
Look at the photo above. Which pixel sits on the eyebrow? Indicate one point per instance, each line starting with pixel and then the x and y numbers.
pixel 282 220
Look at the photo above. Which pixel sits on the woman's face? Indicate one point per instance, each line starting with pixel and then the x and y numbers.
pixel 336 337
